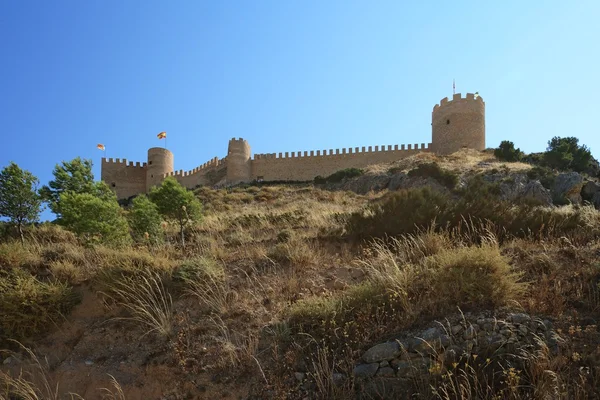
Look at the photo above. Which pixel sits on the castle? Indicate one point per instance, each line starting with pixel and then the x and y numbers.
pixel 455 124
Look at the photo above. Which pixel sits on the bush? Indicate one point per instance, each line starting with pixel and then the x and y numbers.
pixel 29 306
pixel 475 277
pixel 567 154
pixel 507 152
pixel 399 212
pixel 199 268
pixel 433 170
pixel 339 176
pixel 95 217
pixel 145 221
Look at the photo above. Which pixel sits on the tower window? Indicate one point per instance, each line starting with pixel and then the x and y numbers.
pixel 447 122
pixel 113 184
pixel 149 162
pixel 151 176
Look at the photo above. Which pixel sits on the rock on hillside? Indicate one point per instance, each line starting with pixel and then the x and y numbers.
pixel 512 179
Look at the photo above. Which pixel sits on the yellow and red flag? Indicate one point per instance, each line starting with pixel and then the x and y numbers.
pixel 162 135
pixel 100 146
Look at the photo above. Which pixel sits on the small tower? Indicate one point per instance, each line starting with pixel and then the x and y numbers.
pixel 458 123
pixel 160 162
pixel 239 167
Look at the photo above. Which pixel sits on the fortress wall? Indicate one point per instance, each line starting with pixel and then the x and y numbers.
pixel 199 175
pixel 305 166
pixel 123 177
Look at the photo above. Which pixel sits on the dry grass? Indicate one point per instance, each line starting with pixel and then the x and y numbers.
pixel 32 384
pixel 260 268
pixel 147 300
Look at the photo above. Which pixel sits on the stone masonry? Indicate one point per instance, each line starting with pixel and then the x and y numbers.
pixel 457 123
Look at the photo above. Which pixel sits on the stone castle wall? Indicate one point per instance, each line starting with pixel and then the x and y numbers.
pixel 125 178
pixel 305 166
pixel 456 123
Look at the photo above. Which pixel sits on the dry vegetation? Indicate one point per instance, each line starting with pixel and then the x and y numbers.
pixel 279 280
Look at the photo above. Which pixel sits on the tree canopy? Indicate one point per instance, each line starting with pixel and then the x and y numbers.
pixel 566 153
pixel 177 203
pixel 19 198
pixel 94 217
pixel 75 175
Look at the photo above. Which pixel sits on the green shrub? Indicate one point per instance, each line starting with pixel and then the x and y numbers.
pixel 339 176
pixel 433 170
pixel 567 154
pixel 507 152
pixel 145 222
pixel 399 212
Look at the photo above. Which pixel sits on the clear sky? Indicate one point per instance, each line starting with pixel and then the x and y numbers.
pixel 286 75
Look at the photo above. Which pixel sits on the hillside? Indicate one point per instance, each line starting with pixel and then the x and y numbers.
pixel 442 277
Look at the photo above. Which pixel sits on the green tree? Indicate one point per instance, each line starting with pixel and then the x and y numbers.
pixel 507 152
pixel 92 216
pixel 566 153
pixel 145 221
pixel 75 176
pixel 177 203
pixel 19 198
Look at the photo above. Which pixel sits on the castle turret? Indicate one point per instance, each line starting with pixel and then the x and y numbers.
pixel 239 167
pixel 458 123
pixel 160 162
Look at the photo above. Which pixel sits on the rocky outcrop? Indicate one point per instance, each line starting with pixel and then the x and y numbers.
pixel 363 184
pixel 567 188
pixel 534 190
pixel 591 193
pixel 457 338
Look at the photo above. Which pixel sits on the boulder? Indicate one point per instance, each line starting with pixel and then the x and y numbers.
pixel 365 370
pixel 382 352
pixel 534 190
pixel 591 192
pixel 398 181
pixel 567 188
pixel 512 187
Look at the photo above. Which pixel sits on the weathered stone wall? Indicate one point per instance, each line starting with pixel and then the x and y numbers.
pixel 305 167
pixel 202 175
pixel 125 178
pixel 458 123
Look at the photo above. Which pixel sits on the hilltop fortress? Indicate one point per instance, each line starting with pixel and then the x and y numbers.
pixel 455 124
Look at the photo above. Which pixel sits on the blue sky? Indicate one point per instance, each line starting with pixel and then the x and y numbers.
pixel 285 75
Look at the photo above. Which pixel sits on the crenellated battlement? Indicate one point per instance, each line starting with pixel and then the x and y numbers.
pixel 213 163
pixel 456 98
pixel 343 151
pixel 123 162
pixel 456 123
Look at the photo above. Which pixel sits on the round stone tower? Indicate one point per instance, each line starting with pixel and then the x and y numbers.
pixel 239 168
pixel 458 123
pixel 160 162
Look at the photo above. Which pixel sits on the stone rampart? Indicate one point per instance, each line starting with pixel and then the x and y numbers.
pixel 305 166
pixel 125 178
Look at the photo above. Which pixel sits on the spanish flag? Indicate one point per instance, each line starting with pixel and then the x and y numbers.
pixel 162 135
pixel 100 146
